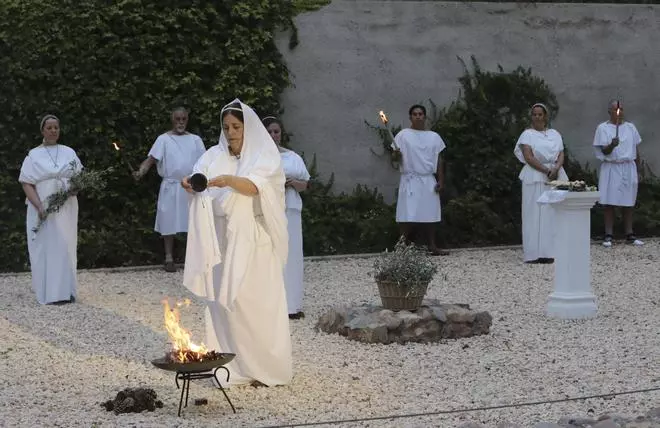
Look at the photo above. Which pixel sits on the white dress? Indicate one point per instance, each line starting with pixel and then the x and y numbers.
pixel 418 202
pixel 53 249
pixel 176 156
pixel 236 252
pixel 618 180
pixel 538 229
pixel 294 167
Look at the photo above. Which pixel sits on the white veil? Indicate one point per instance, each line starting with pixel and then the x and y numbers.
pixel 260 162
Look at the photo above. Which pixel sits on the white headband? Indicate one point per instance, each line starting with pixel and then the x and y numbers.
pixel 45 118
pixel 542 106
pixel 228 107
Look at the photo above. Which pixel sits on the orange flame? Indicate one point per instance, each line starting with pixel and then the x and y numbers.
pixel 116 146
pixel 180 338
pixel 383 118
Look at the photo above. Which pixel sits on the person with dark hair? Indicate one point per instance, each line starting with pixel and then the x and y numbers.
pixel 53 249
pixel 616 146
pixel 297 177
pixel 541 150
pixel 238 247
pixel 174 153
pixel 418 207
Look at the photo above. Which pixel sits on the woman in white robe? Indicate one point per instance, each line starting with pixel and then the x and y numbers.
pixel 297 177
pixel 541 150
pixel 53 248
pixel 237 249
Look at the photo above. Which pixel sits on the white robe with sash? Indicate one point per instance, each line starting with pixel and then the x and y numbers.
pixel 236 252
pixel 418 202
pixel 538 229
pixel 53 249
pixel 294 167
pixel 176 155
pixel 617 180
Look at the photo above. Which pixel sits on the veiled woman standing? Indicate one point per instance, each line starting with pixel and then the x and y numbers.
pixel 53 249
pixel 297 177
pixel 541 150
pixel 237 249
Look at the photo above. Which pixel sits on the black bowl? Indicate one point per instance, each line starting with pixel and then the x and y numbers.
pixel 197 366
pixel 199 182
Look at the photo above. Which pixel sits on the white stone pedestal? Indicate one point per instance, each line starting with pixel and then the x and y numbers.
pixel 573 297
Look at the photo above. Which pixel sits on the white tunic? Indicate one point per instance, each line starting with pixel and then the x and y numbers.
pixel 538 227
pixel 236 252
pixel 294 167
pixel 53 249
pixel 618 180
pixel 176 155
pixel 418 202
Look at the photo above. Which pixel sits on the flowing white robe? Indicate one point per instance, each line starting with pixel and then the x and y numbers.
pixel 294 167
pixel 418 202
pixel 53 249
pixel 538 227
pixel 176 156
pixel 236 252
pixel 618 180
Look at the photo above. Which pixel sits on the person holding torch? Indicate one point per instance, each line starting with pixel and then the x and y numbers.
pixel 615 145
pixel 422 179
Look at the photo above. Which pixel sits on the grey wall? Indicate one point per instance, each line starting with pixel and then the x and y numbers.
pixel 357 57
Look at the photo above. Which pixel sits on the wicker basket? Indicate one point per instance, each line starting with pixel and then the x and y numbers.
pixel 397 298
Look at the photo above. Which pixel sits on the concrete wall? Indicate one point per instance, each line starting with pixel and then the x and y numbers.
pixel 357 57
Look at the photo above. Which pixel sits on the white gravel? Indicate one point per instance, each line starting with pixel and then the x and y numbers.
pixel 58 363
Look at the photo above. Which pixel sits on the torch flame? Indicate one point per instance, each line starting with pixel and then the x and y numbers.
pixel 383 118
pixel 116 146
pixel 182 344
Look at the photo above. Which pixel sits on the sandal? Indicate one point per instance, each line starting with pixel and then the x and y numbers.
pixel 297 315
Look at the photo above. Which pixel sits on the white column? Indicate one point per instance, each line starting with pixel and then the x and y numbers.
pixel 572 297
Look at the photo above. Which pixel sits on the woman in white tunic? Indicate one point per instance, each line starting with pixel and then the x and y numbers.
pixel 297 177
pixel 174 153
pixel 541 150
pixel 618 179
pixel 53 248
pixel 237 249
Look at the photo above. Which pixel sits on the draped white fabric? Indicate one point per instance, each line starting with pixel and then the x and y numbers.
pixel 538 229
pixel 418 202
pixel 237 248
pixel 176 156
pixel 53 249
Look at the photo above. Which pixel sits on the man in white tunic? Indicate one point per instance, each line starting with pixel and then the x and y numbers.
pixel 422 179
pixel 237 249
pixel 615 145
pixel 174 153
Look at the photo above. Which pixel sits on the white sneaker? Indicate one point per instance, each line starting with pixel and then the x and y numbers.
pixel 607 242
pixel 632 240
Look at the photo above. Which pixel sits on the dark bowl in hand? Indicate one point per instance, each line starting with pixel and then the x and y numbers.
pixel 199 182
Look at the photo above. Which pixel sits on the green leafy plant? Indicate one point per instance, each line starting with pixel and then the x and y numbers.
pixel 408 265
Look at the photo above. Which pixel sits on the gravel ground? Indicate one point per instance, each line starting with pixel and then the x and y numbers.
pixel 60 362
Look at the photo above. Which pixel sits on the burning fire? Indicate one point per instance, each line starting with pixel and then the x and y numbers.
pixel 183 349
pixel 383 118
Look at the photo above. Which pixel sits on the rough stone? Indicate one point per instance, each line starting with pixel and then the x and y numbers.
pixel 432 322
pixel 547 425
pixel 607 423
pixel 654 414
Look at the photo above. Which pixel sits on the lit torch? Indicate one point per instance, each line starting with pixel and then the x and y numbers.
pixel 618 118
pixel 123 158
pixel 383 118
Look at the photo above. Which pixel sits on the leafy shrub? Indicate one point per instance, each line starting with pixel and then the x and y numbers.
pixel 111 71
pixel 408 265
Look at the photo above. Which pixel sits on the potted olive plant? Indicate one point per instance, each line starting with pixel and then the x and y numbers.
pixel 403 276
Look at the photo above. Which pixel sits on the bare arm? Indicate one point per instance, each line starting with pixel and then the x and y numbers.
pixel 32 196
pixel 240 184
pixel 610 147
pixel 440 174
pixel 145 166
pixel 299 185
pixel 532 161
